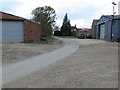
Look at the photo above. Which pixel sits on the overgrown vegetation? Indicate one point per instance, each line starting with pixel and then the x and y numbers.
pixel 46 16
pixel 47 41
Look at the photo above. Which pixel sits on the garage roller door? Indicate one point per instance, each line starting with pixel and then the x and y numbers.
pixel 12 31
pixel 102 31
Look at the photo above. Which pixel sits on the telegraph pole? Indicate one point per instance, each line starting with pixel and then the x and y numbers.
pixel 114 7
pixel 113 18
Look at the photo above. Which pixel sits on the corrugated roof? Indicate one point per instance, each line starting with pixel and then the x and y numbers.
pixel 111 16
pixel 6 16
pixel 95 19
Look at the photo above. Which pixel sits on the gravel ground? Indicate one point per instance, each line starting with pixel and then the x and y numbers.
pixel 93 65
pixel 15 52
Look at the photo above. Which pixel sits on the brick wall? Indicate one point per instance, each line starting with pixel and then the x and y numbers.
pixel 31 31
pixel 89 31
pixel 85 31
pixel 93 27
pixel 78 32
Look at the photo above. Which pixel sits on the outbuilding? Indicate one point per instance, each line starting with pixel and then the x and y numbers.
pixel 108 28
pixel 94 27
pixel 18 29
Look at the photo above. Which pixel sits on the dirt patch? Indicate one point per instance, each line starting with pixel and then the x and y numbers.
pixel 15 52
pixel 91 66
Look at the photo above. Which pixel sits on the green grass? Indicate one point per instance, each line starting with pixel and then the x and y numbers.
pixel 67 36
pixel 47 41
pixel 51 38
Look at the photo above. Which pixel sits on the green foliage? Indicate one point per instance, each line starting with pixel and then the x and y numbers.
pixel 57 33
pixel 46 41
pixel 67 36
pixel 66 27
pixel 46 16
pixel 44 38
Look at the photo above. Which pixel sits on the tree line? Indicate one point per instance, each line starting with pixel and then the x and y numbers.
pixel 46 16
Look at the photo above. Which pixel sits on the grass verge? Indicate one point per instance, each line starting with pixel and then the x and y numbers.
pixel 47 41
pixel 67 36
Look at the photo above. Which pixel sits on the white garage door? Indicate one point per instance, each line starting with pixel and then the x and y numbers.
pixel 12 31
pixel 102 31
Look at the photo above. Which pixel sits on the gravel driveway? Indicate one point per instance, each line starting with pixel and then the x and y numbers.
pixel 16 52
pixel 93 65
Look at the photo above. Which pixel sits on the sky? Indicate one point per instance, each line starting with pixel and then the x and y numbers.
pixel 80 12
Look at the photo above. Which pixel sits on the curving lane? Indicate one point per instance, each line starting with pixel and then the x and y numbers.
pixel 15 71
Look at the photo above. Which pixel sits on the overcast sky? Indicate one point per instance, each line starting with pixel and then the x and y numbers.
pixel 80 12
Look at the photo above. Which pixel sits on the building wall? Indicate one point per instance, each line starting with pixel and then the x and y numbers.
pixel 93 28
pixel 119 31
pixel 31 31
pixel 94 32
pixel 97 32
pixel 89 31
pixel 84 31
pixel 115 30
pixel 112 32
pixel 108 31
pixel 102 20
pixel 78 32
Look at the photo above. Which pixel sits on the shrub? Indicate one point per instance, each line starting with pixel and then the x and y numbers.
pixel 57 33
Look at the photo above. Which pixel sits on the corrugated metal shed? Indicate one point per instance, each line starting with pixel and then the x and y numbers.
pixel 111 31
pixel 94 27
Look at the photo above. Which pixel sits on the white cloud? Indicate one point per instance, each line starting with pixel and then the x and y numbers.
pixel 78 22
pixel 59 22
pixel 67 6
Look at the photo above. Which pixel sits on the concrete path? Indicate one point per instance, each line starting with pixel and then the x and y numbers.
pixel 15 71
pixel 93 65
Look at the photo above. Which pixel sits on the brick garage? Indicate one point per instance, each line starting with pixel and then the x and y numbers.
pixel 17 29
pixel 32 31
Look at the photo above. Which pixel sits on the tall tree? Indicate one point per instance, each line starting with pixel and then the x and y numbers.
pixel 46 16
pixel 66 26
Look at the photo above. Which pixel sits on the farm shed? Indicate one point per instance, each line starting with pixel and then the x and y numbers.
pixel 108 28
pixel 93 27
pixel 17 29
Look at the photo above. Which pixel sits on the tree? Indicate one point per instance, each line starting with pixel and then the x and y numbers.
pixel 66 27
pixel 46 16
pixel 56 28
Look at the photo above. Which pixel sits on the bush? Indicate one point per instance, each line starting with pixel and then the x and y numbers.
pixel 44 38
pixel 57 33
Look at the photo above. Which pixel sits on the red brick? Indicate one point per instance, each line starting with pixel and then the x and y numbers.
pixel 31 31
